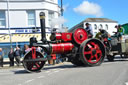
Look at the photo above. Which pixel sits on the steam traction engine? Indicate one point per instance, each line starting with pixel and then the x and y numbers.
pixel 74 45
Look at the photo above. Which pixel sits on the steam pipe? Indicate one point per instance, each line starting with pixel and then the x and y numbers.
pixel 42 23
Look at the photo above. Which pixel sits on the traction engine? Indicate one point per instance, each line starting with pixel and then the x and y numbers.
pixel 74 45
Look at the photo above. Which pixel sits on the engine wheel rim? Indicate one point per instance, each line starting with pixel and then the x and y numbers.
pixel 80 35
pixel 33 66
pixel 89 54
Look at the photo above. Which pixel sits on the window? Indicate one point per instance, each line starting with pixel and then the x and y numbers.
pixel 106 27
pixel 100 26
pixel 51 16
pixel 51 0
pixel 95 26
pixel 31 18
pixel 2 18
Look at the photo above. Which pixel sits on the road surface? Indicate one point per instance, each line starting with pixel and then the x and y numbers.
pixel 109 73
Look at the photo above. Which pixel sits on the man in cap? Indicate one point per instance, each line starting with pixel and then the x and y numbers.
pixel 89 30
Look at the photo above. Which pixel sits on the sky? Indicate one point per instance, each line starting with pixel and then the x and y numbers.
pixel 76 11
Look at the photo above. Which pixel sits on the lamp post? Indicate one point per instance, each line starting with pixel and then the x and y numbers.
pixel 62 8
pixel 62 11
pixel 9 24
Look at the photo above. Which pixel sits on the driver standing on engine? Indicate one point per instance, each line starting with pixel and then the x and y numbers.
pixel 120 31
pixel 89 30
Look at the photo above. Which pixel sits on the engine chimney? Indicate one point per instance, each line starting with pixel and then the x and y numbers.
pixel 42 23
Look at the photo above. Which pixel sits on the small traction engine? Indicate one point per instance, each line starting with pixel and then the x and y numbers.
pixel 74 45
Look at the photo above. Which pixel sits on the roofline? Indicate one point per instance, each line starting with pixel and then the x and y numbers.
pixel 32 1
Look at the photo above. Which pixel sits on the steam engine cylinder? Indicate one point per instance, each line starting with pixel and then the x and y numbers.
pixel 61 36
pixel 62 48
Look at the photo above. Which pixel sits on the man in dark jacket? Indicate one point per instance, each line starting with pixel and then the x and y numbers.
pixel 11 57
pixel 1 57
pixel 17 55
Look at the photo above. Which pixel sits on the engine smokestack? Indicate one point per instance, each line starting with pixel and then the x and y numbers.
pixel 42 23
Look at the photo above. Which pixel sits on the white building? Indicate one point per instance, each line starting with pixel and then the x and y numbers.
pixel 24 14
pixel 99 23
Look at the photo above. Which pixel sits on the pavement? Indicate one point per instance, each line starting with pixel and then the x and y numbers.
pixel 6 64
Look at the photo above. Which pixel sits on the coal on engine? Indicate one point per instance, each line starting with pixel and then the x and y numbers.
pixel 74 45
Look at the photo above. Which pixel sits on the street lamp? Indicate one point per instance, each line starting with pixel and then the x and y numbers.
pixel 62 8
pixel 9 24
pixel 62 11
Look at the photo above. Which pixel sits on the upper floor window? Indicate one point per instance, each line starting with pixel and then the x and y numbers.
pixel 51 16
pixel 100 26
pixel 31 18
pixel 2 18
pixel 106 27
pixel 52 0
pixel 95 26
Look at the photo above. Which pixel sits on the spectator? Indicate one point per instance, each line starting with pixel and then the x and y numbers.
pixel 58 58
pixel 89 30
pixel 11 57
pixel 1 57
pixel 26 49
pixel 17 55
pixel 39 49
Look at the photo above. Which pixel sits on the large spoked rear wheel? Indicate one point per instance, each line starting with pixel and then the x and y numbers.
pixel 92 52
pixel 33 66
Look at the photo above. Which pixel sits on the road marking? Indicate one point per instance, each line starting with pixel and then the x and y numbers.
pixel 62 69
pixel 56 71
pixel 47 71
pixel 126 83
pixel 41 76
pixel 29 80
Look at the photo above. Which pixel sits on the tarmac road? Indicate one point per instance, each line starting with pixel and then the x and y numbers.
pixel 109 73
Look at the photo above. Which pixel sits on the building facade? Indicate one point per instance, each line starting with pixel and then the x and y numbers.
pixel 24 14
pixel 22 18
pixel 99 23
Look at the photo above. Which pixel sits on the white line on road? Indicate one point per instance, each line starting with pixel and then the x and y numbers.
pixel 56 71
pixel 62 69
pixel 41 76
pixel 47 71
pixel 126 83
pixel 29 80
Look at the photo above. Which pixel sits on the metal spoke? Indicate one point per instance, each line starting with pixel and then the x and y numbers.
pixel 88 52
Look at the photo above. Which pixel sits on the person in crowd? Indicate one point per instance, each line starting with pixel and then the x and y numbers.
pixel 53 58
pixel 11 57
pixel 26 48
pixel 58 60
pixel 89 30
pixel 1 57
pixel 17 55
pixel 39 49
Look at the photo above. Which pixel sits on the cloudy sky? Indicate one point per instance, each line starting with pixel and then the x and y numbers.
pixel 78 10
